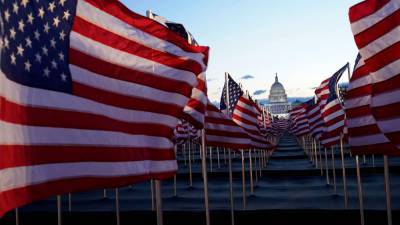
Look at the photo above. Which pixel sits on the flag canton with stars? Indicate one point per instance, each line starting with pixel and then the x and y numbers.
pixel 35 37
pixel 333 84
pixel 235 92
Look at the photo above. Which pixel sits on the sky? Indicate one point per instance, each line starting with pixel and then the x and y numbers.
pixel 304 41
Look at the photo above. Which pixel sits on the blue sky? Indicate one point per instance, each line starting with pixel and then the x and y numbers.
pixel 304 41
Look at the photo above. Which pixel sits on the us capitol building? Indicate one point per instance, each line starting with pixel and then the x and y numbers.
pixel 277 100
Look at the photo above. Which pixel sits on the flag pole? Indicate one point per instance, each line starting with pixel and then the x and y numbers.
pixel 152 194
pixel 175 150
pixel 69 202
pixel 205 179
pixel 344 173
pixel 387 190
pixel 218 163
pixel 16 216
pixel 59 222
pixel 243 181
pixel 320 156
pixel 251 173
pixel 229 153
pixel 360 191
pixel 326 167
pixel 210 157
pixel 190 164
pixel 159 203
pixel 333 170
pixel 104 193
pixel 231 188
pixel 117 206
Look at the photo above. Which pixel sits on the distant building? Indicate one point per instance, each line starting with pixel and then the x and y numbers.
pixel 277 100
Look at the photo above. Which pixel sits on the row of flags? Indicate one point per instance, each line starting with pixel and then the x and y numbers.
pixel 94 95
pixel 368 115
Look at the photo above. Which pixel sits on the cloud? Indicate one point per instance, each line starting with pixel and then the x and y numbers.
pixel 247 77
pixel 259 92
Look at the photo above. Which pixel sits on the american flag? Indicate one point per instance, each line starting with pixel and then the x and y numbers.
pixel 245 115
pixel 90 95
pixel 221 131
pixel 332 112
pixel 364 134
pixel 376 27
pixel 299 118
pixel 235 92
pixel 195 108
pixel 181 132
pixel 315 121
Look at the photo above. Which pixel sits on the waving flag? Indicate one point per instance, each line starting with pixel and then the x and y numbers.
pixel 364 135
pixel 376 27
pixel 333 112
pixel 235 92
pixel 195 108
pixel 246 116
pixel 314 117
pixel 298 116
pixel 221 131
pixel 90 95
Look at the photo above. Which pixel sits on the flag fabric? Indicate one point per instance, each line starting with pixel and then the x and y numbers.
pixel 195 108
pixel 315 121
pixel 245 115
pixel 322 93
pixel 176 27
pixel 221 131
pixel 181 132
pixel 300 122
pixel 332 112
pixel 235 92
pixel 376 26
pixel 90 95
pixel 364 135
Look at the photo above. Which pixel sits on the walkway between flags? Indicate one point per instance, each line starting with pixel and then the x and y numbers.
pixel 290 191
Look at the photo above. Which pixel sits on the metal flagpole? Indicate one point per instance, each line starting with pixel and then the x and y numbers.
pixel 243 182
pixel 326 167
pixel 204 170
pixel 333 170
pixel 251 173
pixel 360 191
pixel 117 205
pixel 59 222
pixel 190 164
pixel 159 202
pixel 231 188
pixel 387 190
pixel 104 193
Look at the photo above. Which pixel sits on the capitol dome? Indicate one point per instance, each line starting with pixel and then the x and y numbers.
pixel 277 93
